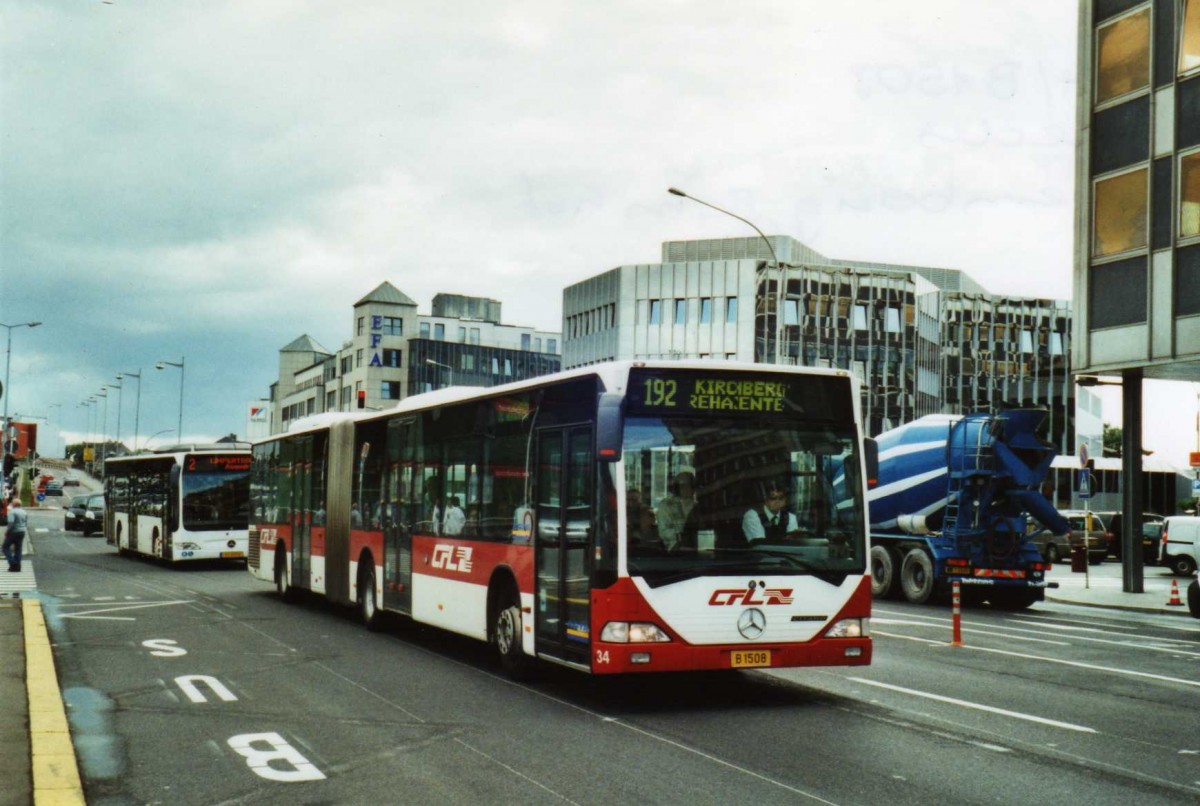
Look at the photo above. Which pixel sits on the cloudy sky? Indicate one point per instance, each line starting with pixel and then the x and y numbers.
pixel 212 180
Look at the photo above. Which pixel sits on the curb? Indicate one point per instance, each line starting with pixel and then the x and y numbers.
pixel 1161 611
pixel 55 769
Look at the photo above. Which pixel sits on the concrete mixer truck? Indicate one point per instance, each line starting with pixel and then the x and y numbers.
pixel 952 501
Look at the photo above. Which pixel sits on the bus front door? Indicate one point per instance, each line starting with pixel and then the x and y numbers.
pixel 565 493
pixel 302 514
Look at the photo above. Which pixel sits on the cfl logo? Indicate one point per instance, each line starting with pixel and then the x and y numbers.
pixel 452 558
pixel 745 596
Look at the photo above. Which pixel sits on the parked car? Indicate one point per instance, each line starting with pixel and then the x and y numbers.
pixel 1054 548
pixel 85 514
pixel 1150 534
pixel 1180 538
pixel 1093 539
pixel 71 480
pixel 54 488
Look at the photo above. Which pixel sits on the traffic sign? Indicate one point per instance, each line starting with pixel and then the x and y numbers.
pixel 1194 458
pixel 1196 487
pixel 1082 453
pixel 1085 483
pixel 41 497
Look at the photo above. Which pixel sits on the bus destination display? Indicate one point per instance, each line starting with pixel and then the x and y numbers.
pixel 689 392
pixel 218 463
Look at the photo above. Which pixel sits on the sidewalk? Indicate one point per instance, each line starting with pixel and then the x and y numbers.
pixel 1103 586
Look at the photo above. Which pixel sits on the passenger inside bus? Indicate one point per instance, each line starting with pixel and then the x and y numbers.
pixel 640 519
pixel 675 507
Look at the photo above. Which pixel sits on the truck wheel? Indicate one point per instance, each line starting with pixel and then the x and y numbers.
pixel 916 576
pixel 884 566
pixel 1183 565
pixel 1193 597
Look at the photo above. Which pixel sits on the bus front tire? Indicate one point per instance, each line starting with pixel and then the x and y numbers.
pixel 507 638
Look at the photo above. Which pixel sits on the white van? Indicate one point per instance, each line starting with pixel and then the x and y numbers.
pixel 1180 542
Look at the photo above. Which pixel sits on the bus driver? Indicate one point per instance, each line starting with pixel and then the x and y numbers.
pixel 771 521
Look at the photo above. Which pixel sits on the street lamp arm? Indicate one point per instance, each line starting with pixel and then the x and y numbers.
pixel 746 221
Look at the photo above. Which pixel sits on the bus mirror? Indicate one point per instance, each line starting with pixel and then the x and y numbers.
pixel 871 455
pixel 608 427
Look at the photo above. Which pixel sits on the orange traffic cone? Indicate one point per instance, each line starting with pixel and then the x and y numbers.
pixel 1175 600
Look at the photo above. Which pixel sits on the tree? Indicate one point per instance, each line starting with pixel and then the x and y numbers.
pixel 1112 441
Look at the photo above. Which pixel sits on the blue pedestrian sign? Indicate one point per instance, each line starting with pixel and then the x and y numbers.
pixel 41 497
pixel 1085 483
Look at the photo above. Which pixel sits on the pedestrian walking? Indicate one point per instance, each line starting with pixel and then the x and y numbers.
pixel 14 534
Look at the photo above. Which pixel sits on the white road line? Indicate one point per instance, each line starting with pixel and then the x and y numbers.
pixel 993 633
pixel 974 705
pixel 1076 664
pixel 122 608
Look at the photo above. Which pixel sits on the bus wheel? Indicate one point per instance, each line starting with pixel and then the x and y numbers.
pixel 884 565
pixel 507 635
pixel 916 576
pixel 281 585
pixel 366 598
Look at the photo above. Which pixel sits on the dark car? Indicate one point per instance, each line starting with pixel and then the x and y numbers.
pixel 1151 532
pixel 1097 544
pixel 85 514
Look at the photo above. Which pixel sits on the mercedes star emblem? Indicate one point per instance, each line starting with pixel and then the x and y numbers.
pixel 752 623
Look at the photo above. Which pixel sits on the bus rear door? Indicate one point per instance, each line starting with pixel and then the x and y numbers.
pixel 565 493
pixel 302 506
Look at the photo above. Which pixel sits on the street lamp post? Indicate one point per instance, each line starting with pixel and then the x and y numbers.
pixel 7 391
pixel 48 420
pixel 179 365
pixel 104 431
pixel 120 387
pixel 779 296
pixel 449 370
pixel 150 438
pixel 137 409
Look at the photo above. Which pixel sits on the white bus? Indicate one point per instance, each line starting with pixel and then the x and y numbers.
pixel 610 519
pixel 187 502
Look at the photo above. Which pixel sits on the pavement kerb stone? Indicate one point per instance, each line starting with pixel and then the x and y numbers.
pixel 55 768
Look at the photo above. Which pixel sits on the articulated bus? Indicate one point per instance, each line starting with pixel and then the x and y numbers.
pixel 610 519
pixel 187 502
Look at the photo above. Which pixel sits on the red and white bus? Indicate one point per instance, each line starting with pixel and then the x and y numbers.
pixel 608 518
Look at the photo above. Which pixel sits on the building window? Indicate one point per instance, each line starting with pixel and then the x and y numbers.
pixel 1120 213
pixel 681 311
pixel 1123 56
pixel 468 362
pixel 391 358
pixel 892 320
pixel 1026 342
pixel 731 310
pixel 1189 190
pixel 361 324
pixel 394 326
pixel 791 312
pixel 358 357
pixel 331 401
pixel 390 390
pixel 526 341
pixel 1189 37
pixel 462 335
pixel 537 344
pixel 655 311
pixel 706 311
pixel 439 332
pixel 508 367
pixel 474 335
pixel 347 364
pixel 859 317
pixel 346 392
pixel 1056 343
pixel 495 366
pixel 552 345
pixel 424 328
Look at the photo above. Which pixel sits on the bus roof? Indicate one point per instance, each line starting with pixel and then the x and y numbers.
pixel 612 374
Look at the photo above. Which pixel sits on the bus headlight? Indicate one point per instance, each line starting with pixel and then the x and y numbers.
pixel 849 628
pixel 624 632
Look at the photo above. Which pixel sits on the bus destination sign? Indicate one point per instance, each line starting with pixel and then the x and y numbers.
pixel 662 391
pixel 218 463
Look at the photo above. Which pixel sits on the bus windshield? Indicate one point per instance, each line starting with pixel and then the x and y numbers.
pixel 717 496
pixel 216 499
